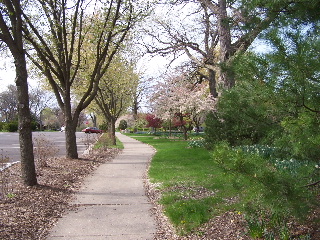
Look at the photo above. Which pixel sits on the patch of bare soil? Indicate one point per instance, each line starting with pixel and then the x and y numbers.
pixel 229 226
pixel 30 212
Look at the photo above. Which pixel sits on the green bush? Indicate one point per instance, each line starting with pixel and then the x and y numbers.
pixel 264 188
pixel 13 126
pixel 245 119
pixel 1 125
pixel 245 115
pixel 235 160
pixel 248 180
pixel 301 136
pixel 10 127
pixel 123 125
pixel 34 125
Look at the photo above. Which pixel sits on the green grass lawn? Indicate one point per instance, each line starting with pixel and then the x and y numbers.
pixel 197 184
pixel 189 182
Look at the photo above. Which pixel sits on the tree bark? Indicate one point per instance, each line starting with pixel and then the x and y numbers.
pixel 225 50
pixel 71 120
pixel 11 34
pixel 71 140
pixel 212 83
pixel 112 131
pixel 185 134
pixel 25 132
pixel 135 112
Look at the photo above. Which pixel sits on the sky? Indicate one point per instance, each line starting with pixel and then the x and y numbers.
pixel 7 73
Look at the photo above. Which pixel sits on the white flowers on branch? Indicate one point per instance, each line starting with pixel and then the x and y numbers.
pixel 179 96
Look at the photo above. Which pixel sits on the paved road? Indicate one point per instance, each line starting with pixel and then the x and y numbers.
pixel 9 143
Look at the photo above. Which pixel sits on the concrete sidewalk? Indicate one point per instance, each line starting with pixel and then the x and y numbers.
pixel 112 203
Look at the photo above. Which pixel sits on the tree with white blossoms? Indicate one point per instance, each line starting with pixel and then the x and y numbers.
pixel 180 98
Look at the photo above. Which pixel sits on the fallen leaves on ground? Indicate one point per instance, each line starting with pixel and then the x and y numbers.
pixel 30 212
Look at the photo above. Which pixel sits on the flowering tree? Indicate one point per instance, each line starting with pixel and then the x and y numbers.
pixel 153 121
pixel 179 120
pixel 180 98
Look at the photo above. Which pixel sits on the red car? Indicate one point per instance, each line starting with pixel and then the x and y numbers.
pixel 91 130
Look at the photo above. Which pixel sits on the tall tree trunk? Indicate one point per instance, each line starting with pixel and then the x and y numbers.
pixel 225 53
pixel 135 113
pixel 25 131
pixel 71 139
pixel 212 83
pixel 135 108
pixel 112 131
pixel 11 34
pixel 71 142
pixel 71 121
pixel 185 134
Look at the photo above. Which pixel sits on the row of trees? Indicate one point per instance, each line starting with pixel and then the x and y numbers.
pixel 72 45
pixel 119 89
pixel 117 92
pixel 8 104
pixel 39 100
pixel 79 50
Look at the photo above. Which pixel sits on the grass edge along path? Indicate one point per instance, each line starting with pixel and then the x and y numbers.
pixel 195 187
pixel 183 176
pixel 105 142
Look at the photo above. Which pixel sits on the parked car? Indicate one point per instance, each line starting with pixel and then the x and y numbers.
pixel 92 130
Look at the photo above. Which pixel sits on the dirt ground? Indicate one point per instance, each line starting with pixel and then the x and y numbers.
pixel 30 212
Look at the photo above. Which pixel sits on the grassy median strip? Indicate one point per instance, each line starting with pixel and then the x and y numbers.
pixel 197 184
